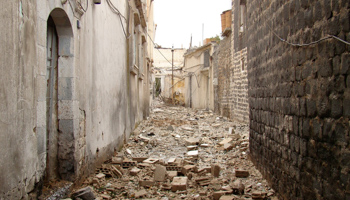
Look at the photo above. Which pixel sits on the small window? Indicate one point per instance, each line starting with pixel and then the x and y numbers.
pixel 242 64
pixel 242 10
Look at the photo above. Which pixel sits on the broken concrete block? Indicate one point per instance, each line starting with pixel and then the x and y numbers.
pixel 186 128
pixel 231 130
pixel 192 147
pixel 218 194
pixel 146 183
pixel 174 168
pixel 242 173
pixel 117 160
pixel 188 168
pixel 128 151
pixel 259 195
pixel 84 194
pixel 215 170
pixel 116 171
pixel 100 176
pixel 237 187
pixel 171 161
pixel 139 159
pixel 216 125
pixel 172 174
pixel 226 140
pixel 159 173
pixel 225 197
pixel 128 163
pixel 140 194
pixel 166 186
pixel 134 171
pixel 193 153
pixel 143 138
pixel 202 181
pixel 106 196
pixel 228 146
pixel 192 141
pixel 170 128
pixel 179 183
pixel 151 160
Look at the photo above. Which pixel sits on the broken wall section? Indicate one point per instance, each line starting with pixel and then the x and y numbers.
pixel 299 97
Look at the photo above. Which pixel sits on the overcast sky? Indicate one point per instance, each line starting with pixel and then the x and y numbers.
pixel 177 19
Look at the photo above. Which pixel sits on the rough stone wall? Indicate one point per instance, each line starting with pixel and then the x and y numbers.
pixel 239 88
pixel 231 92
pixel 299 97
pixel 223 73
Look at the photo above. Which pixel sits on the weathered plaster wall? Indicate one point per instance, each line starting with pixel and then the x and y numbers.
pixel 299 96
pixel 94 93
pixel 102 80
pixel 21 154
pixel 198 78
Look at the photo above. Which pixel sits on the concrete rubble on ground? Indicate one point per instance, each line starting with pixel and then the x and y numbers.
pixel 181 153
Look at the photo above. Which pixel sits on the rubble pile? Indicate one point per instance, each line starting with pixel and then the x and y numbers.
pixel 181 153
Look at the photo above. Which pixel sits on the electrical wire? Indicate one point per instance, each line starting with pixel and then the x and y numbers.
pixel 87 5
pixel 161 52
pixel 116 11
pixel 307 44
pixel 72 9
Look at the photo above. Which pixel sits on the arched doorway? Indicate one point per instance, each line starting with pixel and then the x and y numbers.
pixel 61 105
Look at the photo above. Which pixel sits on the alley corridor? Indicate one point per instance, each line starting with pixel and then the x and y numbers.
pixel 181 153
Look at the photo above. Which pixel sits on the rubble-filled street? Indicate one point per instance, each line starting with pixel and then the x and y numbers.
pixel 181 153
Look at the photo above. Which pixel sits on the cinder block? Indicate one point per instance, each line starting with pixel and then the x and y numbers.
pixel 179 183
pixel 159 173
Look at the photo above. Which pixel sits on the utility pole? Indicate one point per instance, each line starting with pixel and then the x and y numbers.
pixel 172 75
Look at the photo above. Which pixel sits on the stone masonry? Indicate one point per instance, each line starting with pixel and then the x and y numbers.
pixel 231 91
pixel 222 75
pixel 299 97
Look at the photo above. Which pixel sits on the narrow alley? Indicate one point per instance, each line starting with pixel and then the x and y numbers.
pixel 181 153
pixel 175 99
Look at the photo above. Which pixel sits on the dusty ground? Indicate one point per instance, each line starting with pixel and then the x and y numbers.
pixel 170 139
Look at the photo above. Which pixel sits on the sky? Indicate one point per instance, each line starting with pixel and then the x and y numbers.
pixel 177 19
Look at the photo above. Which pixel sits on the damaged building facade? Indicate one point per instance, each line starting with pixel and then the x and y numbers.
pixel 199 77
pixel 163 73
pixel 75 82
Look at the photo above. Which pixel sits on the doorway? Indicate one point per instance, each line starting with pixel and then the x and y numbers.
pixel 62 106
pixel 158 87
pixel 51 100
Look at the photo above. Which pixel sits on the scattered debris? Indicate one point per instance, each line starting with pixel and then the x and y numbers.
pixel 180 153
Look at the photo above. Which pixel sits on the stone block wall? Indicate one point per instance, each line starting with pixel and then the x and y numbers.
pixel 299 97
pixel 230 63
pixel 223 72
pixel 239 88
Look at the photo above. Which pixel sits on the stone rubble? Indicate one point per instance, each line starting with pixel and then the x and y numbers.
pixel 181 153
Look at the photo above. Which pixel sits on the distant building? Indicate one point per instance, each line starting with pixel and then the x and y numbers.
pixel 199 77
pixel 163 58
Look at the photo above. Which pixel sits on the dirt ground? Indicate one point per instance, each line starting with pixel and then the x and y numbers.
pixel 206 153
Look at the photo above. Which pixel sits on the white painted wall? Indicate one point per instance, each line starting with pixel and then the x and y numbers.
pixel 93 61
